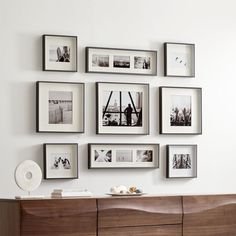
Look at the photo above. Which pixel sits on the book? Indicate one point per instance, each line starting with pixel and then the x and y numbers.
pixel 59 193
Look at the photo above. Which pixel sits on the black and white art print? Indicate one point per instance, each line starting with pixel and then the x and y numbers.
pixel 123 155
pixel 181 161
pixel 180 110
pixel 122 108
pixel 60 161
pixel 59 53
pixel 121 61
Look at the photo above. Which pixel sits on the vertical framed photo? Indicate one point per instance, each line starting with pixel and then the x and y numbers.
pixel 179 59
pixel 60 107
pixel 121 61
pixel 59 53
pixel 123 155
pixel 181 161
pixel 60 160
pixel 180 110
pixel 122 108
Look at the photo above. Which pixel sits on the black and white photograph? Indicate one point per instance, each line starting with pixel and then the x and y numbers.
pixel 100 60
pixel 142 63
pixel 59 53
pixel 180 114
pixel 121 61
pixel 123 155
pixel 60 107
pixel 181 161
pixel 60 160
pixel 180 110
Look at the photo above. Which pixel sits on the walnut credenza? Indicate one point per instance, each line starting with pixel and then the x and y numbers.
pixel 213 215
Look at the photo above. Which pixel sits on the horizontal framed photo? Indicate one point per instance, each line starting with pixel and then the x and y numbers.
pixel 122 108
pixel 121 61
pixel 123 155
pixel 59 53
pixel 179 59
pixel 60 107
pixel 180 110
pixel 60 160
pixel 181 161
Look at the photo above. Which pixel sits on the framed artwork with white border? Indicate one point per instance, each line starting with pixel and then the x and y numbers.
pixel 59 53
pixel 60 107
pixel 181 161
pixel 121 61
pixel 123 155
pixel 180 110
pixel 60 160
pixel 179 59
pixel 122 108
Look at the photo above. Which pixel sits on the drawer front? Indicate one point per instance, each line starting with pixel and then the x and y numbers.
pixel 59 217
pixel 132 211
pixel 167 230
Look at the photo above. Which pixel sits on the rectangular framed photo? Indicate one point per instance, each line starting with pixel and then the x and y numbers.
pixel 121 61
pixel 181 161
pixel 180 110
pixel 179 59
pixel 60 160
pixel 123 155
pixel 60 107
pixel 59 53
pixel 122 108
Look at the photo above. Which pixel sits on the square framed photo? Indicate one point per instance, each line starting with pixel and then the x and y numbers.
pixel 59 53
pixel 60 107
pixel 181 161
pixel 179 59
pixel 121 61
pixel 123 155
pixel 122 108
pixel 60 160
pixel 180 110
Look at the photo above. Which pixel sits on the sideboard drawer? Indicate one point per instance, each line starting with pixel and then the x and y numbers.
pixel 59 217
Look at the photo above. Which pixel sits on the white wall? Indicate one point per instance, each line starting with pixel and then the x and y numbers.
pixel 137 24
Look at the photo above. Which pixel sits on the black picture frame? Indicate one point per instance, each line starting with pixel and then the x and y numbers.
pixel 49 65
pixel 179 59
pixel 60 161
pixel 143 129
pixel 195 128
pixel 130 67
pixel 186 164
pixel 42 114
pixel 150 160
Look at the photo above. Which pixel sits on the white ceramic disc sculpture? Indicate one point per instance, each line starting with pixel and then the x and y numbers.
pixel 28 175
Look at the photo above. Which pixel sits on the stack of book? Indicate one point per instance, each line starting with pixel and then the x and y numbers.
pixel 62 193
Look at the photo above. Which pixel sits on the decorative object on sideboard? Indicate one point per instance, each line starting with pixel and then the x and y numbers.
pixel 59 53
pixel 122 190
pixel 121 61
pixel 68 193
pixel 60 160
pixel 28 177
pixel 179 59
pixel 180 110
pixel 60 107
pixel 123 155
pixel 122 108
pixel 181 161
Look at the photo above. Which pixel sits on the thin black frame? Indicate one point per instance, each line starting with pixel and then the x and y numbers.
pixel 122 144
pixel 44 53
pixel 166 59
pixel 37 106
pixel 97 109
pixel 118 49
pixel 168 159
pixel 45 158
pixel 161 108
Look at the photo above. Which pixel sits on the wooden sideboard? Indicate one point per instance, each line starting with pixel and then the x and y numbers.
pixel 213 215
